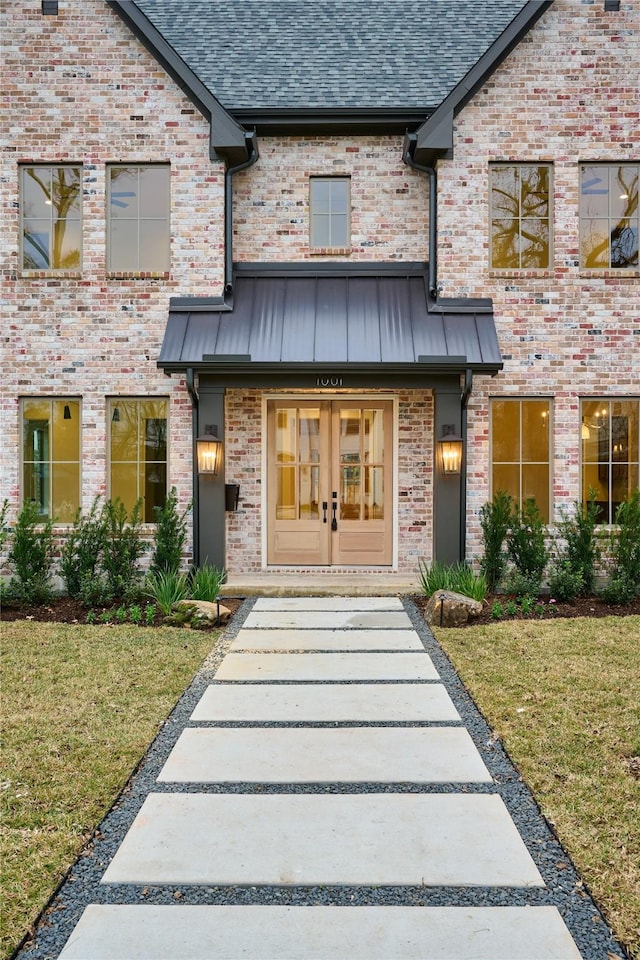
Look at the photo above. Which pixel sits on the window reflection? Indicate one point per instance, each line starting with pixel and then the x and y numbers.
pixel 520 222
pixel 609 216
pixel 51 217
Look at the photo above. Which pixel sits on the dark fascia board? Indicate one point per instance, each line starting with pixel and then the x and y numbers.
pixel 434 139
pixel 330 121
pixel 329 268
pixel 200 304
pixel 228 139
pixel 234 371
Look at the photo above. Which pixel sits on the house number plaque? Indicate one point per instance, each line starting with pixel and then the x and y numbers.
pixel 328 381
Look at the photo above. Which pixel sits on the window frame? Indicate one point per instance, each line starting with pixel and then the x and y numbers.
pixel 610 463
pixel 610 218
pixel 74 404
pixel 138 220
pixel 140 464
pixel 53 220
pixel 313 214
pixel 548 517
pixel 494 166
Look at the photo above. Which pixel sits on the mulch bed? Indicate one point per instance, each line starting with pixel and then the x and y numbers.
pixel 66 610
pixel 545 608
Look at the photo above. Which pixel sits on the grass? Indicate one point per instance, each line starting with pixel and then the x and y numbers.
pixel 80 705
pixel 564 698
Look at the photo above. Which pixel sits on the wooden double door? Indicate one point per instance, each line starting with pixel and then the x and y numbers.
pixel 329 482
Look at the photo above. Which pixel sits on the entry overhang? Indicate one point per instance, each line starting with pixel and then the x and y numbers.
pixel 375 321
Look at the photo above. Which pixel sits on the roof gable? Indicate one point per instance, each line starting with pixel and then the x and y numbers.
pixel 256 56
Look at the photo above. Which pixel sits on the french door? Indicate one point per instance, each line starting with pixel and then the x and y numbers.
pixel 329 482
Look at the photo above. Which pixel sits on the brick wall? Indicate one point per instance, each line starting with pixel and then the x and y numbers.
pixel 389 201
pixel 82 89
pixel 567 94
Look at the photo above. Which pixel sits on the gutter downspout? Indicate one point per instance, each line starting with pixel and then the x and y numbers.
pixel 193 393
pixel 410 143
pixel 254 154
pixel 468 383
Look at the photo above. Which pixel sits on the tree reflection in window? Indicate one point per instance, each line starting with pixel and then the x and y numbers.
pixel 520 222
pixel 609 216
pixel 51 217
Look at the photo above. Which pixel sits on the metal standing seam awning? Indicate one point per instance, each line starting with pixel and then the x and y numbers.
pixel 342 317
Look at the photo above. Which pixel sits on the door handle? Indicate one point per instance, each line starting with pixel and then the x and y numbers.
pixel 324 511
pixel 334 522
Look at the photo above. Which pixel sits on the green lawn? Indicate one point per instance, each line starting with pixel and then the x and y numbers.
pixel 80 705
pixel 564 698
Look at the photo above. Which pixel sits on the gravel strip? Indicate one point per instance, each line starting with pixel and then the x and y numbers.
pixel 564 887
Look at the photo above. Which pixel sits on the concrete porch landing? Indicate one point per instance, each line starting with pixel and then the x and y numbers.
pixel 300 583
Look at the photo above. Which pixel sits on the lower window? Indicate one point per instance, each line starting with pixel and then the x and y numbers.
pixel 520 434
pixel 610 441
pixel 138 453
pixel 51 456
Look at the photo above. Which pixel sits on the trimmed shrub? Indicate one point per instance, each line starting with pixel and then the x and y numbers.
pixel 31 555
pixel 123 549
pixel 527 550
pixel 495 518
pixel 81 556
pixel 170 535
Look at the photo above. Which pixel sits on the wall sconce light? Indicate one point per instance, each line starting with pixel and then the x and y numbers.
pixel 66 415
pixel 450 450
pixel 115 417
pixel 209 449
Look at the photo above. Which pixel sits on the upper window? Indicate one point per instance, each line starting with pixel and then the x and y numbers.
pixel 51 456
pixel 51 217
pixel 138 201
pixel 520 216
pixel 138 453
pixel 609 218
pixel 610 433
pixel 329 201
pixel 520 443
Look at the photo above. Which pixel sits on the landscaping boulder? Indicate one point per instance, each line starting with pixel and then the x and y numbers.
pixel 448 609
pixel 198 614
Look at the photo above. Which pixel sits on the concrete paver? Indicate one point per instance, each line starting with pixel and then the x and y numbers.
pixel 277 640
pixel 344 755
pixel 320 933
pixel 327 603
pixel 310 839
pixel 435 836
pixel 329 619
pixel 326 666
pixel 323 702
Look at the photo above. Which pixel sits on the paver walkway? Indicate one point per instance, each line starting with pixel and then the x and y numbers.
pixel 326 766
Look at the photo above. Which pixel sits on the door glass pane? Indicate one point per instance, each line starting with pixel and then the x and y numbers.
pixel 350 436
pixel 373 436
pixel 374 493
pixel 286 493
pixel 309 508
pixel 350 496
pixel 309 437
pixel 285 435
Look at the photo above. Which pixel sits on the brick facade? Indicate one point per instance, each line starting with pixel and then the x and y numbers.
pixel 82 89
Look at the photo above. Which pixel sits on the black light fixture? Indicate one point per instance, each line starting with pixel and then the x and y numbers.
pixel 115 417
pixel 209 450
pixel 450 450
pixel 67 412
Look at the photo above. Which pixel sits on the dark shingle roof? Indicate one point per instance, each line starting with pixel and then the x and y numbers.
pixel 288 54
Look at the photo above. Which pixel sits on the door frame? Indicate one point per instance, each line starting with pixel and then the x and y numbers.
pixel 296 396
